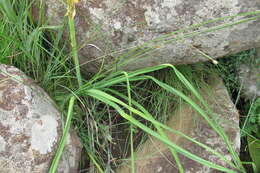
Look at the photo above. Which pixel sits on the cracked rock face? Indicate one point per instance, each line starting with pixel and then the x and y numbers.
pixel 111 27
pixel 154 157
pixel 30 127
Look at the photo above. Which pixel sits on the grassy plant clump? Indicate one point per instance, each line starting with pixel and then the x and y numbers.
pixel 113 111
pixel 228 69
pixel 249 109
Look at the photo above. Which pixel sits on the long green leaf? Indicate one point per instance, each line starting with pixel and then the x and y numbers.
pixel 60 149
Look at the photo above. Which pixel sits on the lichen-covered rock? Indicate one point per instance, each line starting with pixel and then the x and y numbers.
pixel 154 157
pixel 107 29
pixel 30 127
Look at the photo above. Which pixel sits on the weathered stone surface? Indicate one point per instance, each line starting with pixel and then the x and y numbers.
pixel 30 127
pixel 154 157
pixel 110 27
pixel 249 77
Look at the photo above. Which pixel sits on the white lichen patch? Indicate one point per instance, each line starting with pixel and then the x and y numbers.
pixel 44 134
pixel 2 144
pixel 159 169
pixel 117 25
pixel 16 127
pixel 152 16
pixel 114 5
pixel 210 7
pixel 97 12
pixel 171 3
pixel 28 94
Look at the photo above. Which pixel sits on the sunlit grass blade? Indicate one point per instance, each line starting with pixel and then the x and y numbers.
pixel 95 163
pixel 131 125
pixel 121 78
pixel 6 6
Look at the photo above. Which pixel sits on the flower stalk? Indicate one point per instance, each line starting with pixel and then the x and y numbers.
pixel 71 12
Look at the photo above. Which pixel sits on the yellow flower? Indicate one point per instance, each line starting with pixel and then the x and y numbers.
pixel 71 12
pixel 73 2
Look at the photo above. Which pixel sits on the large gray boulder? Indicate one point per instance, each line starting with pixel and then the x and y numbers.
pixel 31 127
pixel 154 157
pixel 107 29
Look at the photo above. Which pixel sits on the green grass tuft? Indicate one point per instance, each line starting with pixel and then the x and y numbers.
pixel 111 105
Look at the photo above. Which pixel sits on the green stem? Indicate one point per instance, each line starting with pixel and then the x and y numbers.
pixel 74 50
pixel 131 125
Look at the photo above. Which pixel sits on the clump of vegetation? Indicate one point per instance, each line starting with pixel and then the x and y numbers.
pixel 111 105
pixel 252 121
pixel 229 69
pixel 251 130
